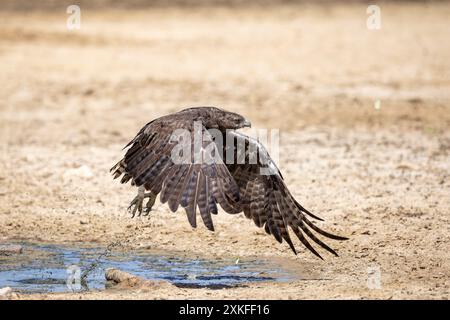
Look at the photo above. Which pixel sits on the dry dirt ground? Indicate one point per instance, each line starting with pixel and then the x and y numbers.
pixel 364 118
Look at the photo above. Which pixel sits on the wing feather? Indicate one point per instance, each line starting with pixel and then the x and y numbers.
pixel 203 204
pixel 267 201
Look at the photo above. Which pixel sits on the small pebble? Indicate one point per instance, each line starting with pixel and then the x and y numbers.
pixel 8 250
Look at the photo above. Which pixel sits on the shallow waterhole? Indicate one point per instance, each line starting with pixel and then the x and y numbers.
pixel 46 268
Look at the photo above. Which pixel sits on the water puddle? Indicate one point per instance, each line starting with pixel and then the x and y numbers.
pixel 44 268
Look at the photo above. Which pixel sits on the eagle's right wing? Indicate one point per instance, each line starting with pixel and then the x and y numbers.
pixel 267 200
pixel 149 162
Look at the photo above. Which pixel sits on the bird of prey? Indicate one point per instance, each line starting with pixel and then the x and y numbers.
pixel 242 182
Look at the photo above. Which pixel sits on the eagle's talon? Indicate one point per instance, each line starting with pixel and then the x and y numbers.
pixel 146 211
pixel 134 206
pixel 139 208
pixel 136 203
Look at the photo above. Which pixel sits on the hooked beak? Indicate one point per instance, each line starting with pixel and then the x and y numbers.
pixel 247 124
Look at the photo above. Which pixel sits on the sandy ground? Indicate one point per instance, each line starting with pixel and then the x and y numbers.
pixel 378 172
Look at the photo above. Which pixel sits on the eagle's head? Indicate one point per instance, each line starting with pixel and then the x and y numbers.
pixel 213 117
pixel 231 120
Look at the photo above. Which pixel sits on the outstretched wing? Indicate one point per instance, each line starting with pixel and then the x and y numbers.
pixel 266 199
pixel 150 162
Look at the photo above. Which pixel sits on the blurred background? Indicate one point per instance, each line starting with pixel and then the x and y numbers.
pixel 284 63
pixel 363 115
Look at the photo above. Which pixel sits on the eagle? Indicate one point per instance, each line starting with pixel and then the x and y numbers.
pixel 169 157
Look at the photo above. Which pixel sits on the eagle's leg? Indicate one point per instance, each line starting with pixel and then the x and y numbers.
pixel 136 204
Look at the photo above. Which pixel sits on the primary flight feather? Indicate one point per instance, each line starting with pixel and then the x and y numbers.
pixel 249 183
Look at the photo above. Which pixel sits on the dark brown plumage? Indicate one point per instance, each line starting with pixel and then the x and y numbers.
pixel 236 187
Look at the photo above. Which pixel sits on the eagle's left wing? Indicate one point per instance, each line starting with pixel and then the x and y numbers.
pixel 266 199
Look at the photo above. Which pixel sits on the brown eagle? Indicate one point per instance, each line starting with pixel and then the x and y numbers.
pixel 250 182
